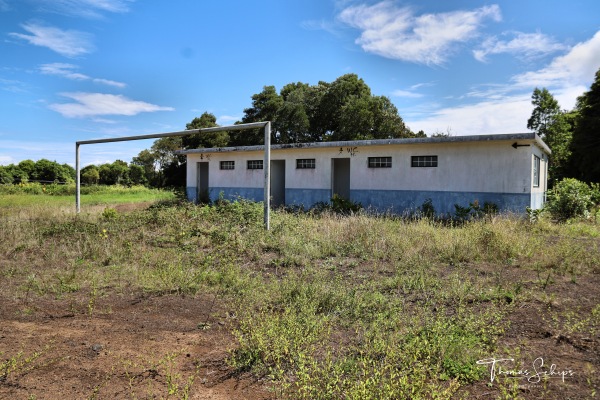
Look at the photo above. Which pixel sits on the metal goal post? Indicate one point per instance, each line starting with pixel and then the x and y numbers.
pixel 267 160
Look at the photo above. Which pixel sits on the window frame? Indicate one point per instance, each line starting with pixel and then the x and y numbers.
pixel 255 164
pixel 306 163
pixel 536 171
pixel 379 162
pixel 225 165
pixel 429 161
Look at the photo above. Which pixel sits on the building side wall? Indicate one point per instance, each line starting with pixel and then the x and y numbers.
pixel 466 172
pixel 538 193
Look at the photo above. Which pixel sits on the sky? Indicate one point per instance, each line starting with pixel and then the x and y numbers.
pixel 91 69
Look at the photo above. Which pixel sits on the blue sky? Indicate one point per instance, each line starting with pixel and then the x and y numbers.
pixel 88 69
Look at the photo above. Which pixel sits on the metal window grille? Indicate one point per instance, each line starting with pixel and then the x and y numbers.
pixel 305 163
pixel 255 164
pixel 227 164
pixel 424 161
pixel 380 162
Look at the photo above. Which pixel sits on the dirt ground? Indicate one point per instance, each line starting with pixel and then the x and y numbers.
pixel 138 346
pixel 132 346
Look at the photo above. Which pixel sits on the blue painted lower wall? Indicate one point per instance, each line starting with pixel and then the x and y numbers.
pixel 394 201
pixel 406 201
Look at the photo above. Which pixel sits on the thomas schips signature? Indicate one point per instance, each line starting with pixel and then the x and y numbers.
pixel 534 375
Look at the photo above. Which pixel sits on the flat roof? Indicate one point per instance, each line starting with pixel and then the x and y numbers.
pixel 530 136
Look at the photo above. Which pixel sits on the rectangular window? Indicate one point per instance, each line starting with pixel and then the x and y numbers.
pixel 305 163
pixel 255 164
pixel 380 162
pixel 424 161
pixel 227 164
pixel 536 171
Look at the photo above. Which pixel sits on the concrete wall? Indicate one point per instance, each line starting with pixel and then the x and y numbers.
pixel 538 194
pixel 491 171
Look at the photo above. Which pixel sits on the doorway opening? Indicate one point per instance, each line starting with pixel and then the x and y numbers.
pixel 340 184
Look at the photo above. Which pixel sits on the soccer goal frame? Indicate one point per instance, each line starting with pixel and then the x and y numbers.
pixel 267 158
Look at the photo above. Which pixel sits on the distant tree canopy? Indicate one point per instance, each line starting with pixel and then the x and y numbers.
pixel 573 136
pixel 43 170
pixel 586 134
pixel 555 127
pixel 344 109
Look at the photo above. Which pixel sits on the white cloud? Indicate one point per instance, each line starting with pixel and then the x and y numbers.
pixel 11 85
pixel 406 94
pixel 508 115
pixel 68 43
pixel 507 107
pixel 96 104
pixel 6 160
pixel 397 33
pixel 84 8
pixel 314 25
pixel 68 71
pixel 528 45
pixel 577 67
pixel 4 6
pixel 227 119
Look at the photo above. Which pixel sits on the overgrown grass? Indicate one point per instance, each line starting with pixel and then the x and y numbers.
pixel 35 195
pixel 326 306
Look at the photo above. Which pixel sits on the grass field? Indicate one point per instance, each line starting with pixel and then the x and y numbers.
pixel 319 307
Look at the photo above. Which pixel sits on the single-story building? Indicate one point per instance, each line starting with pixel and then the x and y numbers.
pixel 386 175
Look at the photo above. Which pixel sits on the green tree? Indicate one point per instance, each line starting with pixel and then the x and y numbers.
pixel 207 139
pixel 559 136
pixel 137 175
pixel 545 111
pixel 51 171
pixel 28 167
pixel 336 103
pixel 90 175
pixel 342 110
pixel 147 160
pixel 6 177
pixel 115 173
pixel 291 122
pixel 264 108
pixel 586 135
pixel 555 127
pixel 387 123
pixel 171 166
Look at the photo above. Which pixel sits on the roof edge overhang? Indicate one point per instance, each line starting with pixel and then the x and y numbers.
pixel 529 136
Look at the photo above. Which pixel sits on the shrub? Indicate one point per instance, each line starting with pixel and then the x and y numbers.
pixel 338 205
pixel 569 198
pixel 427 210
pixel 475 210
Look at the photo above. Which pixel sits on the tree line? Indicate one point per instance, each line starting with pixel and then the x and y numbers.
pixel 46 171
pixel 342 110
pixel 572 135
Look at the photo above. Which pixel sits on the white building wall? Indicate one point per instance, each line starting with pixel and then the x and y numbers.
pixel 476 167
pixel 464 170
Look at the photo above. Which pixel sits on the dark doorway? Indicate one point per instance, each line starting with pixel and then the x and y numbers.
pixel 202 182
pixel 277 183
pixel 340 184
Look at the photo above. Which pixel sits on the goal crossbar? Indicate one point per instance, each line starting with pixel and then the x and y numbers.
pixel 267 157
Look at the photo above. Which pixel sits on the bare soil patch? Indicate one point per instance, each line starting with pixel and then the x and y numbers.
pixel 131 346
